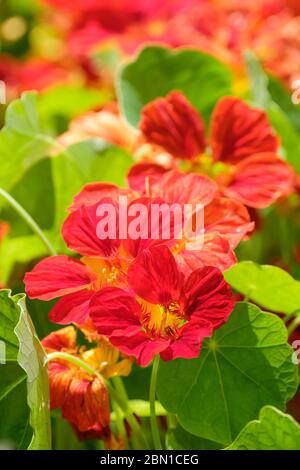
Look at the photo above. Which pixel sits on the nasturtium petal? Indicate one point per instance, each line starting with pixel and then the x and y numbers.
pixel 244 366
pixel 268 286
pixel 273 430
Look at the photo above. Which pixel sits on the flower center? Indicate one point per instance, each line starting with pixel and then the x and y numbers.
pixel 106 272
pixel 220 171
pixel 162 321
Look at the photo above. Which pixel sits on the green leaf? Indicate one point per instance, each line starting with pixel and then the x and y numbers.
pixel 282 96
pixel 34 191
pixel 258 81
pixel 137 383
pixel 14 414
pixel 33 360
pixel 269 286
pixel 22 141
pixel 16 253
pixel 86 162
pixel 158 70
pixel 180 439
pixel 61 103
pixel 262 91
pixel 273 430
pixel 15 431
pixel 106 60
pixel 290 140
pixel 244 366
pixel 25 363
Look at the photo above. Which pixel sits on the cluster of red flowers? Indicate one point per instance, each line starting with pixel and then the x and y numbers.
pixel 143 296
pixel 225 28
pixel 31 74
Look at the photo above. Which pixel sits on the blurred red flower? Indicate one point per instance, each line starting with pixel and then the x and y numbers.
pixel 243 146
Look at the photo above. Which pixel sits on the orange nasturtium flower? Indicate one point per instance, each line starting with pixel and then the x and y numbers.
pixel 82 397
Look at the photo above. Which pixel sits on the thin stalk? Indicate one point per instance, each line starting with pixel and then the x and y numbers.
pixel 293 325
pixel 133 423
pixel 153 418
pixel 28 219
pixel 118 384
pixel 287 318
pixel 120 424
pixel 75 360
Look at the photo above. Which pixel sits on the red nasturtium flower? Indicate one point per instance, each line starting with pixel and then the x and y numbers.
pixel 31 74
pixel 162 124
pixel 102 262
pixel 83 398
pixel 163 312
pixel 106 262
pixel 226 221
pixel 243 146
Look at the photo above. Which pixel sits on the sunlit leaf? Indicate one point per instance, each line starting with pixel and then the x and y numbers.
pixel 61 103
pixel 273 430
pixel 86 162
pixel 269 286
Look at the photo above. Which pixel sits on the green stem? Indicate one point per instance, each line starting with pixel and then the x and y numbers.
pixel 75 360
pixel 123 404
pixel 153 419
pixel 120 424
pixel 172 421
pixel 293 325
pixel 119 386
pixel 287 318
pixel 128 415
pixel 28 219
pixel 118 383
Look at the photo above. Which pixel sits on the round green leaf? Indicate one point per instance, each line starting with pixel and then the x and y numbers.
pixel 158 70
pixel 22 140
pixel 244 366
pixel 86 162
pixel 269 286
